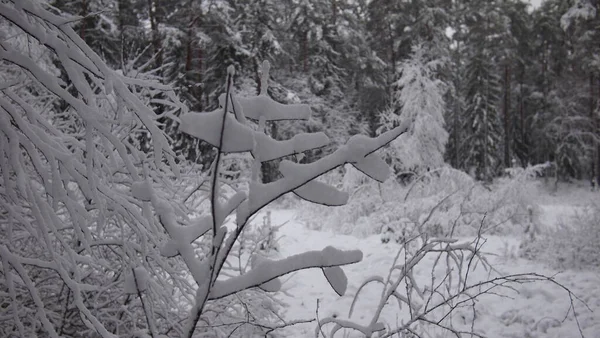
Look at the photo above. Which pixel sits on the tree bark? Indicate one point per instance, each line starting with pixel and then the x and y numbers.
pixel 524 145
pixel 334 12
pixel 156 44
pixel 592 127
pixel 597 113
pixel 190 33
pixel 82 24
pixel 457 112
pixel 506 111
pixel 305 52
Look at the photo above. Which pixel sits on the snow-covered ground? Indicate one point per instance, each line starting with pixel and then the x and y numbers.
pixel 558 205
pixel 535 310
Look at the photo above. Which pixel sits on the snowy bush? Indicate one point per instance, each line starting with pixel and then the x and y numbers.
pixel 228 130
pixel 79 254
pixel 256 240
pixel 574 244
pixel 419 306
pixel 102 234
pixel 433 288
pixel 443 201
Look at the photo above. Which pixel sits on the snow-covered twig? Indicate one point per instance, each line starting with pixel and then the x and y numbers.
pixel 230 134
pixel 440 299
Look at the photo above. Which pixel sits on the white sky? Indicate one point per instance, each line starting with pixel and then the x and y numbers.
pixel 535 3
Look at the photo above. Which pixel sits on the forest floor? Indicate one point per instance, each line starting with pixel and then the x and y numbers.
pixel 539 309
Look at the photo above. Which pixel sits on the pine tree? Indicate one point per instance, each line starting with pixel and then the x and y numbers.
pixel 555 104
pixel 482 92
pixel 455 97
pixel 582 23
pixel 419 98
pixel 523 62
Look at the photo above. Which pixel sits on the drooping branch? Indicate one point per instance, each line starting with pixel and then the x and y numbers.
pixel 269 270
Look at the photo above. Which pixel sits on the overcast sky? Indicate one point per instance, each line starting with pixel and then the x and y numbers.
pixel 535 3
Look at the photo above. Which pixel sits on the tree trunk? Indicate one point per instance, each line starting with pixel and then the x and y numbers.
pixel 156 44
pixel 597 113
pixel 506 111
pixel 456 117
pixel 524 145
pixel 546 151
pixel 82 24
pixel 190 33
pixel 305 52
pixel 121 27
pixel 305 45
pixel 334 12
pixel 592 127
pixel 195 20
pixel 200 70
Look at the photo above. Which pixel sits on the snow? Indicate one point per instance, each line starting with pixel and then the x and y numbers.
pixel 205 126
pixel 169 249
pixel 317 192
pixel 581 10
pixel 337 279
pixel 264 79
pixel 559 204
pixel 321 193
pixel 137 280
pixel 374 167
pixel 241 138
pixel 258 106
pixel 142 191
pixel 537 310
pixel 535 3
pixel 267 270
pixel 270 149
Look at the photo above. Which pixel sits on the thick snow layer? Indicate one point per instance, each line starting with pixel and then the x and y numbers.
pixel 337 279
pixel 321 193
pixel 271 149
pixel 265 270
pixel 374 167
pixel 317 192
pixel 241 138
pixel 538 310
pixel 206 126
pixel 263 106
pixel 142 191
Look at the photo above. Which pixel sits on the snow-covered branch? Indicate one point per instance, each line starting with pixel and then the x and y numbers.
pixel 227 129
pixel 268 270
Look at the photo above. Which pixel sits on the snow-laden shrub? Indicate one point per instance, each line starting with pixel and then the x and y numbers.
pixel 72 237
pixel 432 289
pixel 420 307
pixel 102 234
pixel 229 129
pixel 442 201
pixel 573 244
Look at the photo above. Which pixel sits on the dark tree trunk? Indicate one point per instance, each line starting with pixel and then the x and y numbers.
pixel 305 52
pixel 190 36
pixel 83 23
pixel 506 108
pixel 523 128
pixel 156 41
pixel 592 127
pixel 457 112
pixel 334 12
pixel 194 71
pixel 597 112
pixel 200 69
